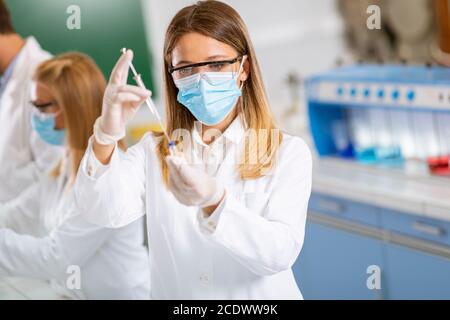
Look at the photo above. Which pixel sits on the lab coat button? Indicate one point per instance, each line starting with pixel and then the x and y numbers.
pixel 204 278
pixel 212 225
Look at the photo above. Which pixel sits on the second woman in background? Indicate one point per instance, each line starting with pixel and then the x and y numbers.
pixel 41 233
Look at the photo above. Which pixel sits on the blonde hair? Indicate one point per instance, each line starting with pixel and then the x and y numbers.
pixel 77 85
pixel 221 22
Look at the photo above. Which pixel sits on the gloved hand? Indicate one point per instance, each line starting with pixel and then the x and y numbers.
pixel 192 186
pixel 120 101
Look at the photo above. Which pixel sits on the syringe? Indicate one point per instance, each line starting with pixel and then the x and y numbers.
pixel 149 101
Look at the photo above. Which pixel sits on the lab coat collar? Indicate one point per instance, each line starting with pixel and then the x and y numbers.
pixel 31 45
pixel 8 72
pixel 4 78
pixel 234 133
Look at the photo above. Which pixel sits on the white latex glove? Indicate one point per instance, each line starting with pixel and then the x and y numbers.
pixel 120 101
pixel 192 186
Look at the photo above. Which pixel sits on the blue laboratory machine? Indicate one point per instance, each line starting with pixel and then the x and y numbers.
pixel 390 115
pixel 379 214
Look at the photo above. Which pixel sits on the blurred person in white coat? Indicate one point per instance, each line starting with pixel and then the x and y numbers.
pixel 42 234
pixel 226 217
pixel 22 153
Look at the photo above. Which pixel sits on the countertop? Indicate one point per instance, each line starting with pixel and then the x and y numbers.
pixel 407 190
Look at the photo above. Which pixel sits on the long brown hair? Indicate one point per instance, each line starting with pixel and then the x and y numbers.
pixel 222 23
pixel 77 85
pixel 6 26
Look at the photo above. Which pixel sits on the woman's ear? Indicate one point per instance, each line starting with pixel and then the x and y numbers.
pixel 245 69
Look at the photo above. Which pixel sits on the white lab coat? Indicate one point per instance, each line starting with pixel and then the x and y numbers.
pixel 44 243
pixel 245 250
pixel 22 153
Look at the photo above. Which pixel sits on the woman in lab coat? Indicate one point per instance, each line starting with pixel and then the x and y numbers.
pixel 54 242
pixel 225 215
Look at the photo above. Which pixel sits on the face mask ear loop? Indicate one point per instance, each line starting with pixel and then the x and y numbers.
pixel 239 72
pixel 43 115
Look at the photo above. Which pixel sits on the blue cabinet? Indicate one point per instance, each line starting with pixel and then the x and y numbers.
pixel 343 238
pixel 344 209
pixel 424 228
pixel 412 274
pixel 333 264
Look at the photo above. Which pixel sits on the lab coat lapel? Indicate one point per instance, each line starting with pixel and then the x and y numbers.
pixel 23 71
pixel 228 172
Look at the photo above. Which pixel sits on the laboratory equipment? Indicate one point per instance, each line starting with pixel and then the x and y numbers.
pixel 361 215
pixel 392 113
pixel 149 102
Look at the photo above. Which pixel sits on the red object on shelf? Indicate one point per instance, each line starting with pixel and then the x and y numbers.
pixel 439 165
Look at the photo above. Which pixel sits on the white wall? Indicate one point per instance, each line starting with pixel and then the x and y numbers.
pixel 300 35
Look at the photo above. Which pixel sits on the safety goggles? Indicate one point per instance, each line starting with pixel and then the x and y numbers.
pixel 225 66
pixel 45 110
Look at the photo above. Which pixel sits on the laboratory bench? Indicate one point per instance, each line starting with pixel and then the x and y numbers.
pixel 361 216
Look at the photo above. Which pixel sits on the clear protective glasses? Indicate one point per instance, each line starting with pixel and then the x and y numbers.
pixel 227 68
pixel 45 110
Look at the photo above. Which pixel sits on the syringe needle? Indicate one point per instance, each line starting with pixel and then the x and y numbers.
pixel 148 101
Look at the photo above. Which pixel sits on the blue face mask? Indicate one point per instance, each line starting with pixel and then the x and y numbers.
pixel 44 124
pixel 209 96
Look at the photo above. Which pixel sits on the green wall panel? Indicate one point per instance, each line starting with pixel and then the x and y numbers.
pixel 106 26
